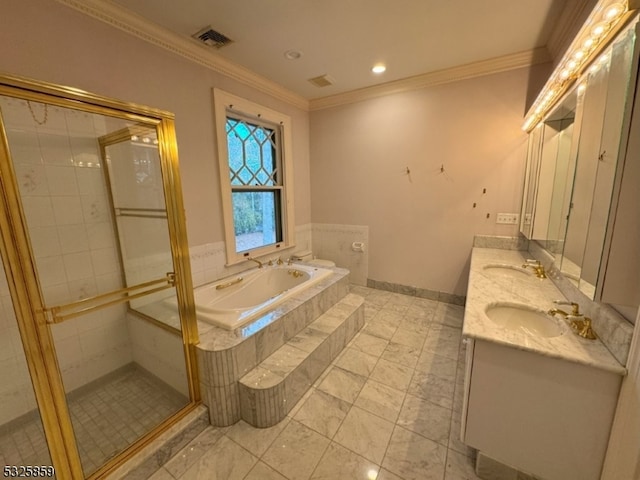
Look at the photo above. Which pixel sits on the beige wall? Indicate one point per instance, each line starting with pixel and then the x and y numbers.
pixel 421 225
pixel 47 41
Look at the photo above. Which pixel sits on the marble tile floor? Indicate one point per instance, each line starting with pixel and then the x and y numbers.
pixel 388 408
pixel 107 416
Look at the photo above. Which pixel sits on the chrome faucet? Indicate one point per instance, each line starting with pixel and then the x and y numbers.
pixel 537 268
pixel 255 260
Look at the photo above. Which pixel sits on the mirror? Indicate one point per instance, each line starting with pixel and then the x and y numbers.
pixel 572 166
pixel 531 181
pixel 556 163
pixel 551 162
pixel 604 115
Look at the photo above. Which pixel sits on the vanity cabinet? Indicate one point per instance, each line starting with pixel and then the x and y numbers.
pixel 541 415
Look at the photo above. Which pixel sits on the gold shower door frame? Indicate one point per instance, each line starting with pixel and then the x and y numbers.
pixel 32 315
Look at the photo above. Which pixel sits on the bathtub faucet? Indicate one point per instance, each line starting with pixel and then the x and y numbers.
pixel 255 260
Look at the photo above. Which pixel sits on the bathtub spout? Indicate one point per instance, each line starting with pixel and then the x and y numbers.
pixel 255 260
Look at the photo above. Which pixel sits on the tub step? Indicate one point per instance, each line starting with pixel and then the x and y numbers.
pixel 273 387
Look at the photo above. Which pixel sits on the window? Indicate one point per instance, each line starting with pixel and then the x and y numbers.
pixel 255 177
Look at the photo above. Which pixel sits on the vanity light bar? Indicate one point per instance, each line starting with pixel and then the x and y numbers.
pixel 596 31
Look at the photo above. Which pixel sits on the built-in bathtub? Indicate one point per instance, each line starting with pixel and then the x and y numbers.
pixel 226 356
pixel 235 301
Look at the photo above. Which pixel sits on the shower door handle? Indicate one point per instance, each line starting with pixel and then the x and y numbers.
pixel 60 313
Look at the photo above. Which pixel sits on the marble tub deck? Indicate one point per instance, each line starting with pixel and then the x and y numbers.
pixel 387 408
pixel 224 356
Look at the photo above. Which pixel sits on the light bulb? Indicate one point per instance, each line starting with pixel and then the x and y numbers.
pixel 614 11
pixel 379 68
pixel 598 30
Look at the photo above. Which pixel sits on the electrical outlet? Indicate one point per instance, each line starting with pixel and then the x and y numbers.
pixel 507 218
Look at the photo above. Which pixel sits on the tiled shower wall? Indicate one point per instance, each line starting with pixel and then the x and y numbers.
pixel 59 174
pixel 16 393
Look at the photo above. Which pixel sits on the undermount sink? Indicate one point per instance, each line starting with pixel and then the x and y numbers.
pixel 506 270
pixel 525 319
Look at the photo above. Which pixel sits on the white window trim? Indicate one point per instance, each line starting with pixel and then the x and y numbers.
pixel 223 100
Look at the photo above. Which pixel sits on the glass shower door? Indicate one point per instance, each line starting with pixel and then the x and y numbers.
pixel 22 440
pixel 105 270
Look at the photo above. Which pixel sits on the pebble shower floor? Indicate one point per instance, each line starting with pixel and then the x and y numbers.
pixel 107 416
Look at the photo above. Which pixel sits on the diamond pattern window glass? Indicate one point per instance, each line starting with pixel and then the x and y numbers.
pixel 256 184
pixel 252 153
pixel 256 162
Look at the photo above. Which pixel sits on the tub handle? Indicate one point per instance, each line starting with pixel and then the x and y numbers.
pixel 222 286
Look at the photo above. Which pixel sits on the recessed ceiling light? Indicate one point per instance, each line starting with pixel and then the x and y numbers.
pixel 379 68
pixel 292 54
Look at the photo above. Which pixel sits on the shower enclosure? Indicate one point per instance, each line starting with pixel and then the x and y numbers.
pixel 96 358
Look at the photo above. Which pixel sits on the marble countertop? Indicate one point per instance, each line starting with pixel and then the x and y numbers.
pixel 487 287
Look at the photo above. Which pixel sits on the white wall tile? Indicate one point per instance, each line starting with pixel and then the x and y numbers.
pixel 56 294
pixel 16 113
pixel 89 322
pixel 81 288
pixel 68 351
pixel 105 260
pixel 334 242
pixel 15 403
pixel 109 282
pixel 95 209
pixel 6 344
pixel 67 210
pixel 64 330
pixel 90 180
pixel 101 235
pixel 80 124
pixel 78 265
pixel 73 238
pixel 61 180
pixel 159 352
pixel 44 241
pixel 55 149
pixel 39 211
pixel 56 123
pixel 32 179
pixel 24 148
pixel 51 271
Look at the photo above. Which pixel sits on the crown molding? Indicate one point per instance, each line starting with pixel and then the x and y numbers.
pixel 117 16
pixel 462 72
pixel 130 22
pixel 571 20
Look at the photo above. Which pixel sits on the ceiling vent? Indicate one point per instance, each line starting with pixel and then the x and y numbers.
pixel 210 37
pixel 322 81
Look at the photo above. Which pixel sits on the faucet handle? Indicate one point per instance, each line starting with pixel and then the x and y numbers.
pixel 575 308
pixel 587 330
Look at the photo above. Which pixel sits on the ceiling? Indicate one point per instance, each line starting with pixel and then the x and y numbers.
pixel 345 38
